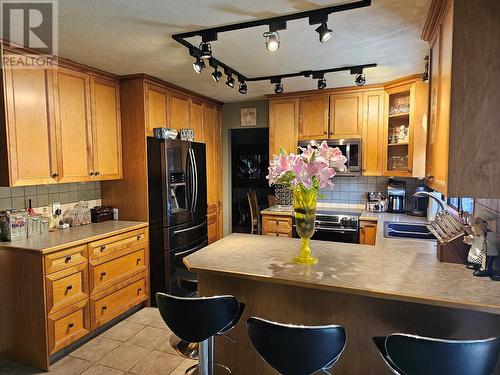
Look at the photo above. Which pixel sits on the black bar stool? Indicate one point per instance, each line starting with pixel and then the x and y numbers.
pixel 297 350
pixel 199 320
pixel 416 355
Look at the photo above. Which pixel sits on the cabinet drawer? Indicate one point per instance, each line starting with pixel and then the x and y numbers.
pixel 68 325
pixel 280 223
pixel 116 243
pixel 104 275
pixel 66 287
pixel 116 300
pixel 279 234
pixel 65 258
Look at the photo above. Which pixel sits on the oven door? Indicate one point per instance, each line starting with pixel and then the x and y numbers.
pixel 336 235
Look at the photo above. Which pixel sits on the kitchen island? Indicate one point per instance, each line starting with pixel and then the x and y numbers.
pixel 395 286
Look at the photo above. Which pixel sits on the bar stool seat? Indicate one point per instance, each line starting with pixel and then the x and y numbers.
pixel 416 355
pixel 198 320
pixel 297 350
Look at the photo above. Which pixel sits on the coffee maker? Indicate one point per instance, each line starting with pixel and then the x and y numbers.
pixel 421 202
pixel 396 196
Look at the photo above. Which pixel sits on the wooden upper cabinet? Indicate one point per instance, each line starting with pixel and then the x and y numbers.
pixel 156 108
pixel 283 125
pixel 73 126
pixel 346 114
pixel 179 111
pixel 196 118
pixel 373 131
pixel 27 145
pixel 106 129
pixel 313 117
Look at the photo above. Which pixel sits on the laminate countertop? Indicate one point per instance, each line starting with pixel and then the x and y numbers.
pixel 63 238
pixel 396 269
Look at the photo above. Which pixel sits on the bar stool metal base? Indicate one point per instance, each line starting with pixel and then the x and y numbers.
pixel 185 349
pixel 194 369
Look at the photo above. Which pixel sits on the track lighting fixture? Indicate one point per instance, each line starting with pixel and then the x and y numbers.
pixel 272 40
pixel 278 87
pixel 324 32
pixel 216 75
pixel 230 81
pixel 243 88
pixel 321 83
pixel 360 79
pixel 205 50
pixel 198 65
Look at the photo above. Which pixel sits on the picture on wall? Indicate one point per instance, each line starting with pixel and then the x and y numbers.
pixel 248 116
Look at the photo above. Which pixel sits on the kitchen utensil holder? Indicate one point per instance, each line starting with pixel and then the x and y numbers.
pixel 455 251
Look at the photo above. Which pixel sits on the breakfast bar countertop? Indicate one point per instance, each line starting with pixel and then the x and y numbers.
pixel 395 269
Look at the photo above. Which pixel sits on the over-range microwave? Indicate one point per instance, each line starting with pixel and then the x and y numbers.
pixel 351 149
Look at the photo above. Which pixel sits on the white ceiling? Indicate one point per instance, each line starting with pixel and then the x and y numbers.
pixel 134 36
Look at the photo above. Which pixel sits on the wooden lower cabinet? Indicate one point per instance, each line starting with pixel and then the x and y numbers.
pixel 367 232
pixel 277 225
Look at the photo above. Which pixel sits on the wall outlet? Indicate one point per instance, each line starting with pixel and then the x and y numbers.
pixel 55 206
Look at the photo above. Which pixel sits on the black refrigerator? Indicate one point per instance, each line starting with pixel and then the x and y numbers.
pixel 177 210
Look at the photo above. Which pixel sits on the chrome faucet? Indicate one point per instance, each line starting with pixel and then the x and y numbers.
pixel 426 193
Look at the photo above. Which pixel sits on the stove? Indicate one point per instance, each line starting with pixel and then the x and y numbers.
pixel 337 225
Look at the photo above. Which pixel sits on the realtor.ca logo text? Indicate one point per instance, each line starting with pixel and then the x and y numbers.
pixel 29 34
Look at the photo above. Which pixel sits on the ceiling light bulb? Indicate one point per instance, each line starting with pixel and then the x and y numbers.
pixel 205 50
pixel 324 32
pixel 217 75
pixel 230 81
pixel 278 88
pixel 198 65
pixel 360 79
pixel 272 41
pixel 243 88
pixel 321 83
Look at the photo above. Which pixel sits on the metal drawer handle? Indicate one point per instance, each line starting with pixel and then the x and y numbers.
pixel 139 290
pixel 138 260
pixel 103 248
pixel 102 275
pixel 68 259
pixel 70 325
pixel 139 237
pixel 69 287
pixel 104 308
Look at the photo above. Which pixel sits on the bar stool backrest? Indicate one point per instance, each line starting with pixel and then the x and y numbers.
pixel 416 355
pixel 296 350
pixel 197 319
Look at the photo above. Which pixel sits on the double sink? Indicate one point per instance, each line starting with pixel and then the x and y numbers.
pixel 393 229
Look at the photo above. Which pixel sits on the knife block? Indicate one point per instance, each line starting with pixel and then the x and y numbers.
pixel 455 251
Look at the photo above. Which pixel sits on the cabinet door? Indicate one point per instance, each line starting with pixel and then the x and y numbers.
pixel 218 170
pixel 313 117
pixel 367 233
pixel 106 129
pixel 196 118
pixel 346 113
pixel 179 111
pixel 31 146
pixel 373 130
pixel 73 126
pixel 156 108
pixel 212 198
pixel 439 117
pixel 283 125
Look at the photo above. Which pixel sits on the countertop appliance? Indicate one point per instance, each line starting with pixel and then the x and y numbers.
pixel 177 185
pixel 351 149
pixel 336 225
pixel 375 201
pixel 421 202
pixel 396 196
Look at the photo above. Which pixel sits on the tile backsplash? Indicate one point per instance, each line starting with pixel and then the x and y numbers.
pixel 352 190
pixel 44 195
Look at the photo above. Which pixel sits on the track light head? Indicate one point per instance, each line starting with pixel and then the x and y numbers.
pixel 243 88
pixel 216 75
pixel 272 40
pixel 198 65
pixel 230 81
pixel 324 32
pixel 205 50
pixel 360 79
pixel 278 88
pixel 321 83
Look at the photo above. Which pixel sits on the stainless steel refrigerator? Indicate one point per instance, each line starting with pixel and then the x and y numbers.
pixel 177 210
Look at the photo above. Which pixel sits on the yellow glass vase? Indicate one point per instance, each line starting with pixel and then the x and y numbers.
pixel 304 206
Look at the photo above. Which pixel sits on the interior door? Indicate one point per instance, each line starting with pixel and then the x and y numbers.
pixel 346 115
pixel 106 128
pixel 74 128
pixel 30 124
pixel 313 117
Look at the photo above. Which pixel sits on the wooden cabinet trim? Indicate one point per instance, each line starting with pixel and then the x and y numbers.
pixel 117 243
pixel 65 258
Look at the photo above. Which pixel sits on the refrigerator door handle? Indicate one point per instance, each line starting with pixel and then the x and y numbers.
pixel 192 250
pixel 190 228
pixel 196 181
pixel 193 178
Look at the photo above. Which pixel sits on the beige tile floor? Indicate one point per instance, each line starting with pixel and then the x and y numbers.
pixel 138 345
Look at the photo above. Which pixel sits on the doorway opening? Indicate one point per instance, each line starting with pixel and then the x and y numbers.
pixel 249 163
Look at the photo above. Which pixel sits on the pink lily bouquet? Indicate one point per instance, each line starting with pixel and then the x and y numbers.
pixel 313 168
pixel 305 174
